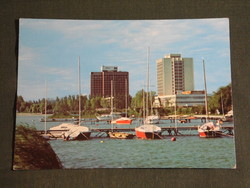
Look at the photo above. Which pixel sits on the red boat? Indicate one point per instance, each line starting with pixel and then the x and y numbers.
pixel 148 131
pixel 123 120
pixel 209 130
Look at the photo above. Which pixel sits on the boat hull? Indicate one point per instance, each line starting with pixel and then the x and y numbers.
pixel 120 135
pixel 124 122
pixel 148 135
pixel 210 134
pixel 81 136
pixel 104 118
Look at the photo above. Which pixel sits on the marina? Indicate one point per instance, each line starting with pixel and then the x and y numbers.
pixel 169 131
pixel 100 151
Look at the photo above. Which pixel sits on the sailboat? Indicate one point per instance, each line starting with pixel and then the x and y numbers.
pixel 209 129
pixel 116 134
pixel 109 117
pixel 148 131
pixel 70 131
pixel 124 120
pixel 45 135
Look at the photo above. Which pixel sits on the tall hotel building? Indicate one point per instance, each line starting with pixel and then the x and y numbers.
pixel 174 74
pixel 175 82
pixel 101 82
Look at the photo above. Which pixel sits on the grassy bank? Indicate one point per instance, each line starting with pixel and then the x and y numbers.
pixel 32 151
pixel 29 114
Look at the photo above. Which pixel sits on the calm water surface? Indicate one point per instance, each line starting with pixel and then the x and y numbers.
pixel 185 152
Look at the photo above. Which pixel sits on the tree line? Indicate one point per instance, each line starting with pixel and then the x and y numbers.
pixel 221 100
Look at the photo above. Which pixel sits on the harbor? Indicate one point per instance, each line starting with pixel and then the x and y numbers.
pixel 167 131
pixel 100 151
pixel 182 127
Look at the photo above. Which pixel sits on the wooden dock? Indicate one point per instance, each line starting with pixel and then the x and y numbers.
pixel 167 131
pixel 170 130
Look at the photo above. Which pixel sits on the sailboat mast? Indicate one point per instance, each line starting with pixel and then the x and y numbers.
pixel 143 104
pixel 79 90
pixel 151 103
pixel 126 97
pixel 175 111
pixel 222 106
pixel 147 85
pixel 112 104
pixel 205 84
pixel 111 98
pixel 45 109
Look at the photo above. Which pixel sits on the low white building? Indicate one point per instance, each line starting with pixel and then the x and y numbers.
pixel 185 98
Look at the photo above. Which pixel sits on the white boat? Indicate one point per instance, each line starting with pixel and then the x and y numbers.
pixel 153 119
pixel 109 117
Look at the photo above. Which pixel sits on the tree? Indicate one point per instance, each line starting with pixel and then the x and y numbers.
pixel 137 101
pixel 19 103
pixel 222 98
pixel 105 103
pixel 95 102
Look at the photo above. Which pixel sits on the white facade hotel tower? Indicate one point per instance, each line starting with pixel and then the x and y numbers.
pixel 174 74
pixel 175 82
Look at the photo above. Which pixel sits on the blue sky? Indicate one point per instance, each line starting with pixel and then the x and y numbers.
pixel 49 50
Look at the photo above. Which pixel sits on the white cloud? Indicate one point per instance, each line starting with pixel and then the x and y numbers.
pixel 27 55
pixel 128 42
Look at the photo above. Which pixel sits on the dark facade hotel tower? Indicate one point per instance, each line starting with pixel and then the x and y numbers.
pixel 101 82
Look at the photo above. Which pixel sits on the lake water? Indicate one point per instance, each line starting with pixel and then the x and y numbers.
pixel 185 152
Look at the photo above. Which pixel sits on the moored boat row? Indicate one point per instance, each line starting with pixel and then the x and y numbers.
pixel 223 131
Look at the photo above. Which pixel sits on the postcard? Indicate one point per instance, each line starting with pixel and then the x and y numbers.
pixel 124 94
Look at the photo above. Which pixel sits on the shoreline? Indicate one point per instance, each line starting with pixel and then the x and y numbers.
pixel 163 117
pixel 30 114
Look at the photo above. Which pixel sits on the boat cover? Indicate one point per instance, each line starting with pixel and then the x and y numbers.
pixel 148 128
pixel 75 131
pixel 210 126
